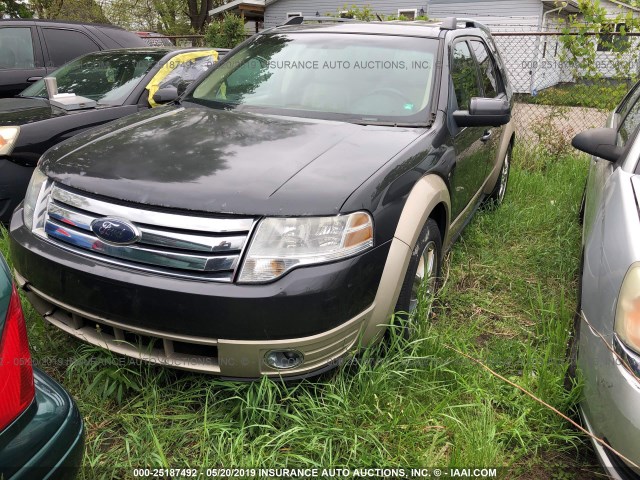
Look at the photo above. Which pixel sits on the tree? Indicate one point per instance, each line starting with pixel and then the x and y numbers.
pixel 74 10
pixel 14 9
pixel 198 12
pixel 225 33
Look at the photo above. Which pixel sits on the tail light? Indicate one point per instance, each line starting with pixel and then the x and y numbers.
pixel 16 374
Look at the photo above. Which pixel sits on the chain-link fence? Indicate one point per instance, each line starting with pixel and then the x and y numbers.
pixel 566 83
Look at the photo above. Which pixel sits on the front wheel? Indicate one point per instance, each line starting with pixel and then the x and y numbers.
pixel 422 278
pixel 496 197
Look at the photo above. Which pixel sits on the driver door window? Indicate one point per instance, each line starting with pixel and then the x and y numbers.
pixel 464 75
pixel 488 76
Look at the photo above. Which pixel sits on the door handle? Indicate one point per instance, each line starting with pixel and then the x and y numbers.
pixel 33 79
pixel 487 136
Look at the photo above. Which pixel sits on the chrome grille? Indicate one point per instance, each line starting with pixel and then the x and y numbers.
pixel 195 246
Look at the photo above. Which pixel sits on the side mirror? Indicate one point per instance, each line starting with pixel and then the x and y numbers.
pixel 484 112
pixel 165 95
pixel 600 142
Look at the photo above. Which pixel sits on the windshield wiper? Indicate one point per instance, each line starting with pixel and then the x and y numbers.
pixel 390 124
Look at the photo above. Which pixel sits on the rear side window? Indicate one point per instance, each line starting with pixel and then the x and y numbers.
pixel 16 48
pixel 464 75
pixel 488 76
pixel 65 45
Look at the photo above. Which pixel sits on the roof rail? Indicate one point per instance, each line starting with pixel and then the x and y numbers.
pixel 315 18
pixel 449 23
pixel 452 23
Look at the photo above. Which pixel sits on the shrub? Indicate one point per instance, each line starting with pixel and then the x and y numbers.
pixel 225 33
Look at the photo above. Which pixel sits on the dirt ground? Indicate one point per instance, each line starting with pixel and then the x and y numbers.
pixel 532 119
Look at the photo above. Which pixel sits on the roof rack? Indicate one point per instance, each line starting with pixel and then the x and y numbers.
pixel 315 18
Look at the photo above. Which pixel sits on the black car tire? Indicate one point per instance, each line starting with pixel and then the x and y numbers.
pixel 426 262
pixel 496 197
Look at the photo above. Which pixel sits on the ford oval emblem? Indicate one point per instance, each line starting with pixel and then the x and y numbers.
pixel 115 231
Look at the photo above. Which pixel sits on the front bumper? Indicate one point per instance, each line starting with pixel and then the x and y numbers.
pixel 225 329
pixel 610 404
pixel 47 440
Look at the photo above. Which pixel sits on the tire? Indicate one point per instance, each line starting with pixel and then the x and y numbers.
pixel 426 262
pixel 496 197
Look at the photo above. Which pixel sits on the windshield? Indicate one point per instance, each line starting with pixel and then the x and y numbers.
pixel 360 78
pixel 107 78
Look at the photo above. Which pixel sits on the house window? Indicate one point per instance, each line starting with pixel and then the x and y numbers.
pixel 293 14
pixel 410 13
pixel 609 42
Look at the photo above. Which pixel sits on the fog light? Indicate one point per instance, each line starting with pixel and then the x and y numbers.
pixel 283 359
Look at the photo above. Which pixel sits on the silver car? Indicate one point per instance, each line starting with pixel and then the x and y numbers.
pixel 606 346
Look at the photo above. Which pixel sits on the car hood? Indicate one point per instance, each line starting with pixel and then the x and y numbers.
pixel 20 111
pixel 219 161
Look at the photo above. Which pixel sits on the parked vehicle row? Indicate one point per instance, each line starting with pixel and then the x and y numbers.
pixel 276 213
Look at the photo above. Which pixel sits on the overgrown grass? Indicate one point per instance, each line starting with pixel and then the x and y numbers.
pixel 600 94
pixel 508 300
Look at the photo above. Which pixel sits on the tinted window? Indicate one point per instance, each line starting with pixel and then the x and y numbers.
pixel 488 76
pixel 16 48
pixel 108 78
pixel 629 102
pixel 464 75
pixel 629 123
pixel 65 45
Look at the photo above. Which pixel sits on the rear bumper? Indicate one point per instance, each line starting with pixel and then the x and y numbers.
pixel 221 328
pixel 47 440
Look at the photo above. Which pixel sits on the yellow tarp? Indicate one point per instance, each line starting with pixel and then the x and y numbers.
pixel 171 65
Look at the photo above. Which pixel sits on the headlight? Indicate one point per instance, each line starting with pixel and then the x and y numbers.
pixel 8 137
pixel 281 244
pixel 628 309
pixel 34 189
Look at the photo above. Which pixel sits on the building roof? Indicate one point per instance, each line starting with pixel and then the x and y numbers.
pixel 256 6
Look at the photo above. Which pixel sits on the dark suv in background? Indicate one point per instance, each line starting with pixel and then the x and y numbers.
pixel 30 49
pixel 273 220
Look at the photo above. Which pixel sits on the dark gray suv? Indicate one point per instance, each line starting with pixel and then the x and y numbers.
pixel 275 217
pixel 31 49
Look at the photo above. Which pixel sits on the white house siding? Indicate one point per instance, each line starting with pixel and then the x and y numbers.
pixel 528 11
pixel 502 16
pixel 276 12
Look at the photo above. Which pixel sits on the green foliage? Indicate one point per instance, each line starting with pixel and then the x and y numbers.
pixel 580 51
pixel 165 16
pixel 225 33
pixel 15 9
pixel 365 13
pixel 71 10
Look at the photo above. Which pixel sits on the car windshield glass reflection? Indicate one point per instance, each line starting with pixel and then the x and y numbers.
pixel 368 78
pixel 107 78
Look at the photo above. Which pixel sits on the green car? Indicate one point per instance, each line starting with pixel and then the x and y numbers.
pixel 41 430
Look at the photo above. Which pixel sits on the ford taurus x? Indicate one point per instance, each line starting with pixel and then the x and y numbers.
pixel 274 218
